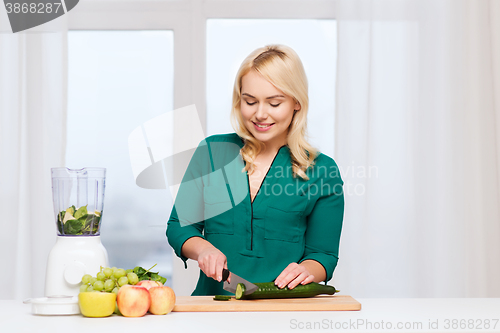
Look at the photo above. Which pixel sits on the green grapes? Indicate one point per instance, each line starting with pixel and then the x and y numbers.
pixel 86 278
pixel 119 273
pixel 109 285
pixel 122 281
pixel 107 280
pixel 107 272
pixel 111 279
pixel 132 278
pixel 117 311
pixel 98 285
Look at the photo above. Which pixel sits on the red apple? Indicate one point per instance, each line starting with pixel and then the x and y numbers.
pixel 162 300
pixel 149 284
pixel 133 301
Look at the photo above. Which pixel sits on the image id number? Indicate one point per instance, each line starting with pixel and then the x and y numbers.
pixel 33 8
pixel 477 324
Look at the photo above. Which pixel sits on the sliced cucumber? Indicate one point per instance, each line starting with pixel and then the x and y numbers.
pixel 240 290
pixel 222 298
pixel 270 290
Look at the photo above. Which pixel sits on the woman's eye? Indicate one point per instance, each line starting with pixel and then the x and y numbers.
pixel 251 103
pixel 275 105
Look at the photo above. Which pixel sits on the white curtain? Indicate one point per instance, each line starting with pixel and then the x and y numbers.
pixel 32 135
pixel 418 141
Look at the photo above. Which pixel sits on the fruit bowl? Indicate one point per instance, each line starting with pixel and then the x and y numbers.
pixel 97 304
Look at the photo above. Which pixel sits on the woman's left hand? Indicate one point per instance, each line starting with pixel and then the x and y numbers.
pixel 292 275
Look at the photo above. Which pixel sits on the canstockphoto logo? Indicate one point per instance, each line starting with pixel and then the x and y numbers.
pixel 180 162
pixel 26 14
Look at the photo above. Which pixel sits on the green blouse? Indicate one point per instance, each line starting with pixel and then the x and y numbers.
pixel 290 219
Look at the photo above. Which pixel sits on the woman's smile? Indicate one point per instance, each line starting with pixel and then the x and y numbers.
pixel 262 126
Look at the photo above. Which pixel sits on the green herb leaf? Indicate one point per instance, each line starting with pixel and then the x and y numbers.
pixel 88 223
pixel 139 271
pixel 143 274
pixel 154 277
pixel 60 226
pixel 73 227
pixel 80 212
pixel 60 216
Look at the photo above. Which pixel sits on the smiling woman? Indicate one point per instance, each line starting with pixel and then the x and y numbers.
pixel 225 217
pixel 266 112
pixel 266 118
pixel 273 74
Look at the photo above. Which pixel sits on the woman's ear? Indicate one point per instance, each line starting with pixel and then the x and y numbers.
pixel 297 106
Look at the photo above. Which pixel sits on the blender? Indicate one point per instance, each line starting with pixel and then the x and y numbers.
pixel 78 196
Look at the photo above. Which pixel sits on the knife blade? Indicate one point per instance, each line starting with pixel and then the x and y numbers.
pixel 235 279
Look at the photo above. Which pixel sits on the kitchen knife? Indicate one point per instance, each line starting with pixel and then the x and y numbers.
pixel 235 279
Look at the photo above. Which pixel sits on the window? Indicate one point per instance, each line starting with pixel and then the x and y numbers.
pixel 117 81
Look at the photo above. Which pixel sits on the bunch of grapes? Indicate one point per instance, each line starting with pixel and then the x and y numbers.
pixel 108 280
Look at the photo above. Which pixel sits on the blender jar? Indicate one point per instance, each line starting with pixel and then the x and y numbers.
pixel 78 200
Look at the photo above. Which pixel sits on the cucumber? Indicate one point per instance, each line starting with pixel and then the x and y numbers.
pixel 270 290
pixel 222 298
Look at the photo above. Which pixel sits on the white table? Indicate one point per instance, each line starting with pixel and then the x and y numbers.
pixel 445 315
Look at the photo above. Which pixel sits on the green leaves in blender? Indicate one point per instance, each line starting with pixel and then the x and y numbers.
pixel 77 222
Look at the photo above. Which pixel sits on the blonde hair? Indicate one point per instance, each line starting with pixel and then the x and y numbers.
pixel 281 66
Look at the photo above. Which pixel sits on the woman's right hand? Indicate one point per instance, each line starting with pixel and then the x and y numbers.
pixel 211 261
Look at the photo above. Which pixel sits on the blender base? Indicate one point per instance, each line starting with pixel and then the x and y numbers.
pixel 70 259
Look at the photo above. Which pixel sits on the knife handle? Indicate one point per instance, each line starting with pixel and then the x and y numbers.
pixel 225 274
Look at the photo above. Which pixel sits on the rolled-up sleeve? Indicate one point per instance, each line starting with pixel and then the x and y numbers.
pixel 324 223
pixel 177 235
pixel 187 216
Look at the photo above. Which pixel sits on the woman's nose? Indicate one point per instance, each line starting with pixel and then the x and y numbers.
pixel 261 113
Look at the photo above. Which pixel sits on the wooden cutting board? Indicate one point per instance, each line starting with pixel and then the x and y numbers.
pixel 317 303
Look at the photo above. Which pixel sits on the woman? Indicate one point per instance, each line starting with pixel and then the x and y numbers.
pixel 261 202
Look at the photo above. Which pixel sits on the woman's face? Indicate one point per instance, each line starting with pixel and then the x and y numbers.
pixel 267 112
